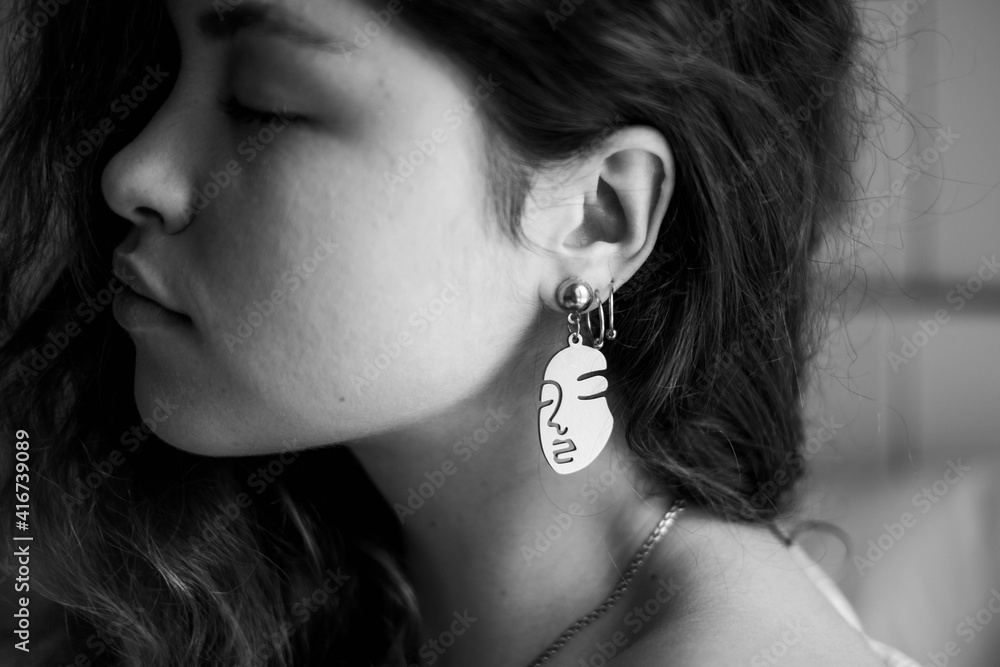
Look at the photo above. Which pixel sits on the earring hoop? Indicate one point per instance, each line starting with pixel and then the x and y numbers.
pixel 611 312
pixel 573 319
pixel 598 342
pixel 609 333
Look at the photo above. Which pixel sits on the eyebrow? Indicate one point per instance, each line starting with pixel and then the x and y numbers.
pixel 231 19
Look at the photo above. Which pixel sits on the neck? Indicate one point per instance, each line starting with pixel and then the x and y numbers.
pixel 503 552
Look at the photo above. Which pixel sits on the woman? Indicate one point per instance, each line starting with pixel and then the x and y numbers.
pixel 404 230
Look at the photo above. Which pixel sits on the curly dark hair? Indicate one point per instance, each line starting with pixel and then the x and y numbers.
pixel 759 102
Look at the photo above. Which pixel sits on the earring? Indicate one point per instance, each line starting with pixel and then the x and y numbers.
pixel 574 422
pixel 611 333
pixel 611 312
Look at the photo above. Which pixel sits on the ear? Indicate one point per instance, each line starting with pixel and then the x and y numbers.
pixel 599 218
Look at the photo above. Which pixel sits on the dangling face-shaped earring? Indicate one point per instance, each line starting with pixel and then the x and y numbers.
pixel 574 421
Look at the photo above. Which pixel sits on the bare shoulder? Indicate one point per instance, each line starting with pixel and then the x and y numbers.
pixel 742 599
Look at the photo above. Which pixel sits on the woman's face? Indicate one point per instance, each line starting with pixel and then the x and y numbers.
pixel 337 262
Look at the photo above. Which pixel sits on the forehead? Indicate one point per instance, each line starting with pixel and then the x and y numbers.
pixel 365 40
pixel 573 362
pixel 321 24
pixel 373 52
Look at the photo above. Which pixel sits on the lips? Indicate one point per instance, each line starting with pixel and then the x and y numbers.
pixel 559 454
pixel 128 271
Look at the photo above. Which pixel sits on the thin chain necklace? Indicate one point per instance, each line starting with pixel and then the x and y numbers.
pixel 633 566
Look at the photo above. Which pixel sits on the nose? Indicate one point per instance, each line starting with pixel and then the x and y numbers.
pixel 147 181
pixel 560 429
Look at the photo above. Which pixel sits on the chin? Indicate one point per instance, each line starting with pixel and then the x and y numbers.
pixel 200 416
pixel 177 409
pixel 178 421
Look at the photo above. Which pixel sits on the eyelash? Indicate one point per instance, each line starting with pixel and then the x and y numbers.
pixel 244 114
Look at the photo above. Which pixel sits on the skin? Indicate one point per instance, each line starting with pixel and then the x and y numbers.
pixel 391 252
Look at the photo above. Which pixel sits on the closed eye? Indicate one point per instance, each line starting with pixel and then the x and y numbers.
pixel 244 114
pixel 592 385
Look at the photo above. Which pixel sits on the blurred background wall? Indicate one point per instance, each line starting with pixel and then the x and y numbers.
pixel 907 404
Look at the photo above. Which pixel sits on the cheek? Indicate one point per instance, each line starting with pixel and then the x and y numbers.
pixel 268 272
pixel 334 311
pixel 599 422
